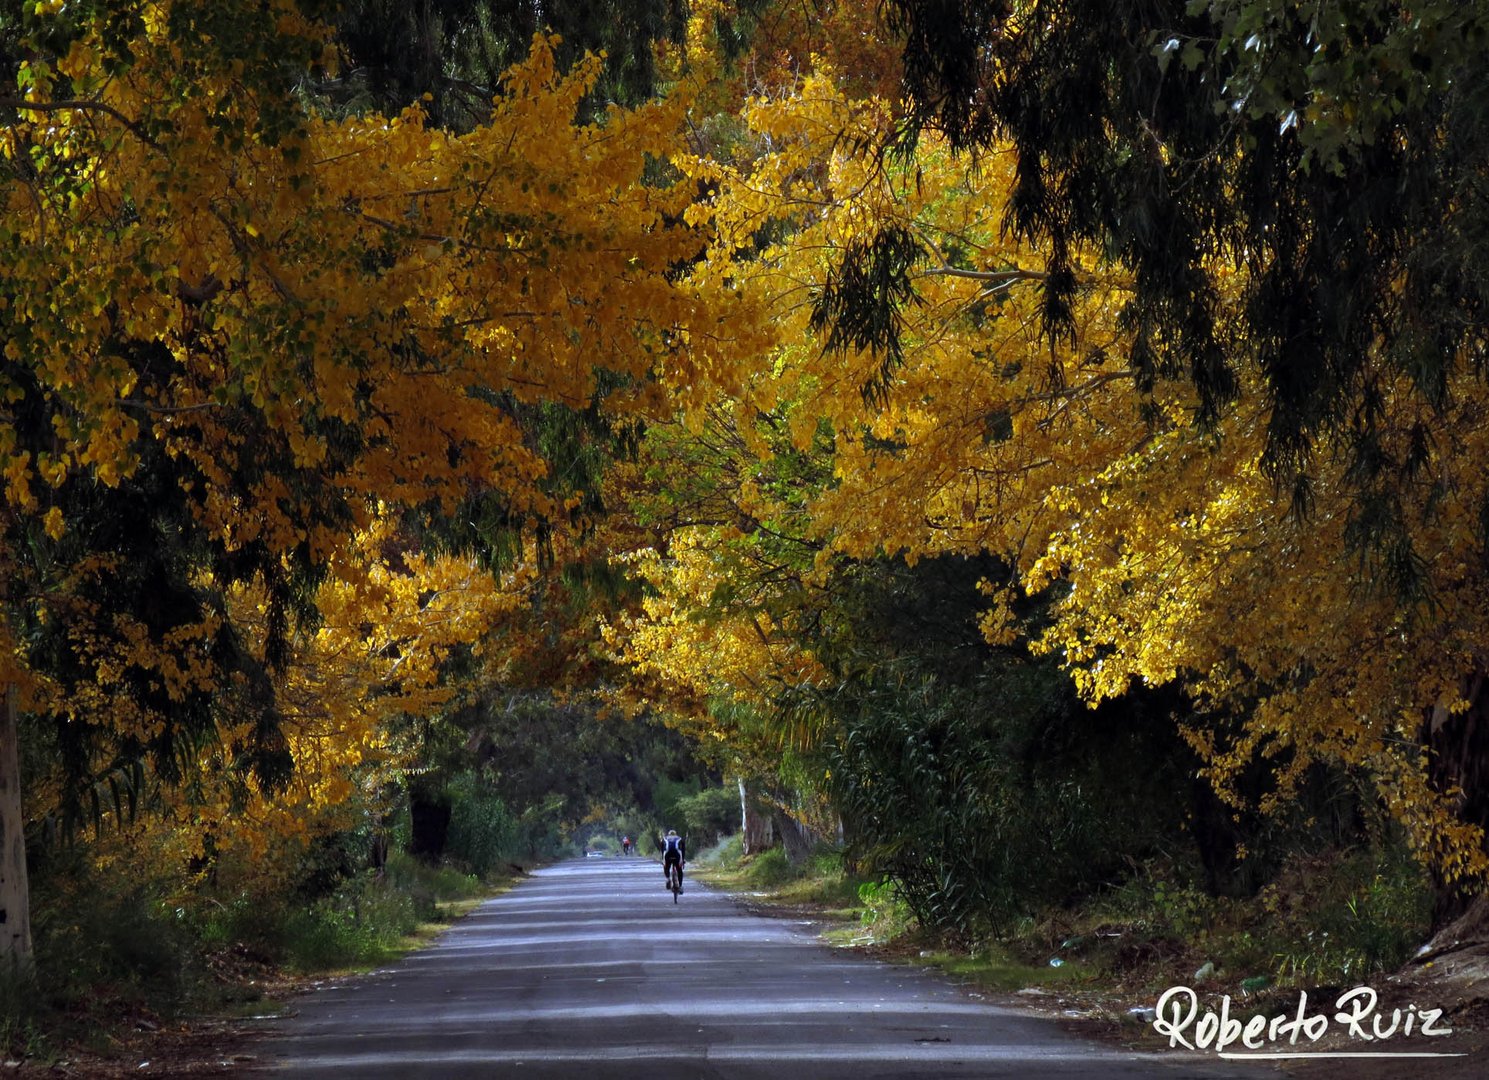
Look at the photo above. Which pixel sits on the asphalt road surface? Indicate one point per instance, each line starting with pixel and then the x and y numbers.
pixel 589 970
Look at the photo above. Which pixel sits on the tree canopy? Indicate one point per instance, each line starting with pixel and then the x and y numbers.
pixel 387 385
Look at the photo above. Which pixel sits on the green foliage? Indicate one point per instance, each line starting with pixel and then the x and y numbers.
pixel 1365 913
pixel 429 885
pixel 1159 902
pixel 633 822
pixel 770 869
pixel 22 1029
pixel 669 796
pixel 93 930
pixel 885 915
pixel 482 833
pixel 710 813
pixel 973 779
pixel 557 764
pixel 541 832
pixel 456 51
pixel 1331 917
pixel 726 855
pixel 108 944
pixel 362 920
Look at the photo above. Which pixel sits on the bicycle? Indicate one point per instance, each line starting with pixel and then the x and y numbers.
pixel 674 880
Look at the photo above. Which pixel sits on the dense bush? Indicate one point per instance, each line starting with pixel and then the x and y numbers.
pixel 482 833
pixel 987 800
pixel 711 813
pixel 362 920
pixel 93 929
pixel 769 869
pixel 972 777
pixel 725 855
pixel 1362 913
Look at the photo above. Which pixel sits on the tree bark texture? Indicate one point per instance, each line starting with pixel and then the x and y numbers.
pixel 15 894
pixel 794 836
pixel 758 833
pixel 1458 746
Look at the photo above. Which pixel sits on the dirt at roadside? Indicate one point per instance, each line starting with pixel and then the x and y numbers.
pixel 122 1042
pixel 1452 977
pixel 187 1049
pixel 1107 1018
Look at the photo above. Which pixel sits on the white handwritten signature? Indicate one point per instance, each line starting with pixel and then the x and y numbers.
pixel 1179 1017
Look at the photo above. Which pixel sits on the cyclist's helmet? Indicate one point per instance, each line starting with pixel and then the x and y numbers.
pixel 671 832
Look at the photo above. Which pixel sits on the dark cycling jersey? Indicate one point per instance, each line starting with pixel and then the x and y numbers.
pixel 674 853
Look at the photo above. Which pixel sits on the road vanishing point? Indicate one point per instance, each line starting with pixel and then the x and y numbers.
pixel 588 970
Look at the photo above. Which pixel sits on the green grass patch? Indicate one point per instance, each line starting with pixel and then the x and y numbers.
pixel 108 952
pixel 822 882
pixel 371 920
pixel 997 970
pixel 1340 917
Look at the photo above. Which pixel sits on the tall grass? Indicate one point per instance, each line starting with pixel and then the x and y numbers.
pixel 107 949
pixel 363 921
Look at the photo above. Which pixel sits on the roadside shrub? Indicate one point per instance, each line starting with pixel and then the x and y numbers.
pixel 250 922
pixel 482 832
pixel 711 813
pixel 539 832
pixel 832 882
pixel 22 1031
pixel 1342 917
pixel 885 914
pixel 1333 917
pixel 91 929
pixel 771 868
pixel 989 800
pixel 426 885
pixel 360 923
pixel 725 855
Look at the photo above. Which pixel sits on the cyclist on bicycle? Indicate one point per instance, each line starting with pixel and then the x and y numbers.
pixel 625 845
pixel 674 852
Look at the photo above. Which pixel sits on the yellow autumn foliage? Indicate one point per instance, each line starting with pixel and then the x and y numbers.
pixel 369 272
pixel 1174 556
pixel 345 698
pixel 322 323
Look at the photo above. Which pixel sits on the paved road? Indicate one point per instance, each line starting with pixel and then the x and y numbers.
pixel 588 970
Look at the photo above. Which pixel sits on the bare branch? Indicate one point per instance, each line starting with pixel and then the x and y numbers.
pixel 995 277
pixel 80 105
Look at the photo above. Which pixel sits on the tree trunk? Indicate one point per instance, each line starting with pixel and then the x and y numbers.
pixel 1458 747
pixel 1458 953
pixel 794 836
pixel 15 893
pixel 756 826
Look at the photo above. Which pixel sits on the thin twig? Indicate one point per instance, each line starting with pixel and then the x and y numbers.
pixel 79 105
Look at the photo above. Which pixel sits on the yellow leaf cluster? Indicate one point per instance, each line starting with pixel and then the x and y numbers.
pixel 1175 558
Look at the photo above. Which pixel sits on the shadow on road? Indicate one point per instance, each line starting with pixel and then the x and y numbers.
pixel 589 970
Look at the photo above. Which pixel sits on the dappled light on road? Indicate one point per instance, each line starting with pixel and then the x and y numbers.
pixel 589 969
